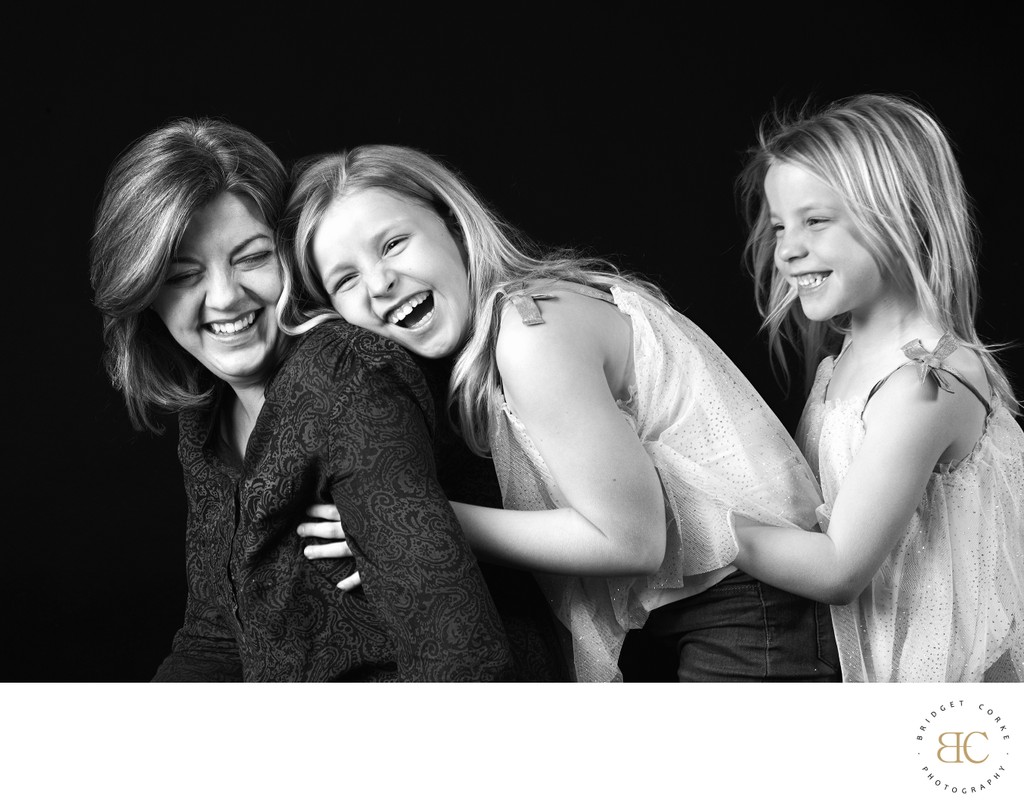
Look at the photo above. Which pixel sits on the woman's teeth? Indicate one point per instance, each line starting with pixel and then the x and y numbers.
pixel 233 328
pixel 403 311
pixel 811 279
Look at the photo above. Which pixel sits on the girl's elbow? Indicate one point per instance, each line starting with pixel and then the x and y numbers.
pixel 843 591
pixel 634 545
pixel 649 552
pixel 656 554
pixel 837 597
pixel 644 526
pixel 652 565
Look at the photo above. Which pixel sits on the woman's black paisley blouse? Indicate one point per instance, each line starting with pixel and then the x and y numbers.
pixel 345 420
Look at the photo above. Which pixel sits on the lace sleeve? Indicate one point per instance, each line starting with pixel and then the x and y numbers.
pixel 416 567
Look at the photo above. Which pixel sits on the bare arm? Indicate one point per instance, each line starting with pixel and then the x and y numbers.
pixel 556 380
pixel 908 427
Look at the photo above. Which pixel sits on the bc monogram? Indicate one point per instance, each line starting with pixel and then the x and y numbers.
pixel 961 745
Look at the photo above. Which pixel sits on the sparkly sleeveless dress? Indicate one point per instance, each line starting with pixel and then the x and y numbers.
pixel 947 604
pixel 716 446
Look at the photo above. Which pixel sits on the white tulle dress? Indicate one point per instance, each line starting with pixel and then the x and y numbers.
pixel 716 445
pixel 947 604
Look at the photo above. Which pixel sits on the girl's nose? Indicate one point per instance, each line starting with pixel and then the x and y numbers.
pixel 380 280
pixel 790 245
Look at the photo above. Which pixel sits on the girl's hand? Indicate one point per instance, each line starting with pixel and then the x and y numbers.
pixel 329 527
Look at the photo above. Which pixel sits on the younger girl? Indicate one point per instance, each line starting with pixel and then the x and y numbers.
pixel 859 213
pixel 621 435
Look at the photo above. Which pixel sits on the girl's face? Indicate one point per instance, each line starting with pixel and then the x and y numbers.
pixel 391 266
pixel 818 248
pixel 223 282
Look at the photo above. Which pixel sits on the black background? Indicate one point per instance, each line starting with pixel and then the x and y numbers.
pixel 619 136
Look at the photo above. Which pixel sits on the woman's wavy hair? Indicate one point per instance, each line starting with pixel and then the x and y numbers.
pixel 893 165
pixel 150 193
pixel 499 259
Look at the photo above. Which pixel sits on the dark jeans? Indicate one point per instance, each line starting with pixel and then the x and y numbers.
pixel 740 630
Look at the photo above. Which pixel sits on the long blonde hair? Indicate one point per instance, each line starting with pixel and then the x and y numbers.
pixel 893 165
pixel 499 259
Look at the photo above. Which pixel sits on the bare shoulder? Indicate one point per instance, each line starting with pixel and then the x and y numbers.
pixel 574 324
pixel 929 407
pixel 968 364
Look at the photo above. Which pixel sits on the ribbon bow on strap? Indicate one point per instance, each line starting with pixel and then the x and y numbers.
pixel 528 310
pixel 929 362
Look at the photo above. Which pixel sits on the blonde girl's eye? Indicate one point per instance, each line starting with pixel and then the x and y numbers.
pixel 343 284
pixel 392 244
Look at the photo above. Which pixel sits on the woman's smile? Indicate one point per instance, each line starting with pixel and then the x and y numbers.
pixel 218 298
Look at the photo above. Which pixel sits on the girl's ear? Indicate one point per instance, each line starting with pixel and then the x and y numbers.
pixel 455 230
pixel 451 221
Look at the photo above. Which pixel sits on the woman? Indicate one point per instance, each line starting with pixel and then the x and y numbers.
pixel 186 275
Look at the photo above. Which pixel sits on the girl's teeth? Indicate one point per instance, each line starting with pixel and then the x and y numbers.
pixel 406 308
pixel 236 326
pixel 811 280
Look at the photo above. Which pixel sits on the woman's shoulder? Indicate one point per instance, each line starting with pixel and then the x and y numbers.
pixel 337 338
pixel 335 351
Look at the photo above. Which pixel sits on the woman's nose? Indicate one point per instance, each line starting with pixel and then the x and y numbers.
pixel 224 289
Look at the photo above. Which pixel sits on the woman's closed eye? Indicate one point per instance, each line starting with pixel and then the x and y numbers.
pixel 255 259
pixel 182 276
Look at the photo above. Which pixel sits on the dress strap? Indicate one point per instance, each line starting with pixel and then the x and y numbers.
pixel 529 311
pixel 929 363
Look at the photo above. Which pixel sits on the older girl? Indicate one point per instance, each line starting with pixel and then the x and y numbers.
pixel 621 435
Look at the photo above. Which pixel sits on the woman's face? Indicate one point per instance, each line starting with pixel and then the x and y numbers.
pixel 220 290
pixel 391 266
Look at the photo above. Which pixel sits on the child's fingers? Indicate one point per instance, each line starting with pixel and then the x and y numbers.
pixel 350 583
pixel 322 530
pixel 324 511
pixel 338 549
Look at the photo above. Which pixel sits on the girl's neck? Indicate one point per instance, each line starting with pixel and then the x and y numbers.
pixel 874 348
pixel 889 325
